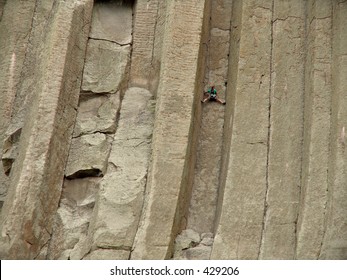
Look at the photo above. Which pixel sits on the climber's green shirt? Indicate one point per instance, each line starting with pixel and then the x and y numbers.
pixel 213 93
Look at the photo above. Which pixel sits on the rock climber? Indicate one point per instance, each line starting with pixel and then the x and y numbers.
pixel 212 95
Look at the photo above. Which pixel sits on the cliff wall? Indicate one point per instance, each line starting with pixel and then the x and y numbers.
pixel 108 153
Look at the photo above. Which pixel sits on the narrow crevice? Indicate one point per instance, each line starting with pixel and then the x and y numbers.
pixel 328 172
pixel 154 31
pixel 91 172
pixel 268 136
pixel 202 211
pixel 111 41
pixel 300 191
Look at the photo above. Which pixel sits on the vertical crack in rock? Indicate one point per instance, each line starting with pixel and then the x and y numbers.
pixel 300 187
pixel 334 241
pixel 261 244
pixel 103 113
pixel 175 129
pixel 317 117
pixel 207 170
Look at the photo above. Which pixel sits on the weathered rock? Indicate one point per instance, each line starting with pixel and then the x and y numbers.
pixel 174 137
pixel 206 179
pixel 15 25
pixel 198 253
pixel 107 254
pixel 97 114
pixel 310 229
pixel 335 235
pixel 31 23
pixel 220 14
pixel 284 157
pixel 73 215
pixel 88 155
pixel 106 66
pixel 10 150
pixel 207 239
pixel 2 3
pixel 145 22
pixel 186 239
pixel 33 196
pixel 244 163
pixel 218 59
pixel 120 198
pixel 112 21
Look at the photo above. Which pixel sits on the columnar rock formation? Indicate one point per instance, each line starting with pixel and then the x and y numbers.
pixel 108 153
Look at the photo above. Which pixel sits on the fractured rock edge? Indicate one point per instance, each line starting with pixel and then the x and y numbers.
pixel 38 172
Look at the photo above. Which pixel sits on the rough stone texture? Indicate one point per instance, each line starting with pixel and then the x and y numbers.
pixel 145 22
pixel 107 254
pixel 105 67
pixel 120 198
pixel 15 25
pixel 284 157
pixel 207 240
pixel 169 176
pixel 97 114
pixel 73 215
pixel 318 92
pixel 198 253
pixel 112 21
pixel 34 192
pixel 280 168
pixel 27 67
pixel 244 165
pixel 88 155
pixel 2 4
pixel 335 235
pixel 206 179
pixel 220 14
pixel 190 246
pixel 186 239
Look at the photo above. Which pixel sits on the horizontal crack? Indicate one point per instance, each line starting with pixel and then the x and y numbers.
pixel 111 41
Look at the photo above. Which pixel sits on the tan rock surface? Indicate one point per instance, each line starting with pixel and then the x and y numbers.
pixel 73 216
pixel 97 114
pixel 169 176
pixel 284 157
pixel 244 164
pixel 120 198
pixel 15 25
pixel 2 4
pixel 310 229
pixel 32 201
pixel 334 242
pixel 206 179
pixel 145 23
pixel 263 177
pixel 112 21
pixel 220 14
pixel 107 254
pixel 105 67
pixel 88 155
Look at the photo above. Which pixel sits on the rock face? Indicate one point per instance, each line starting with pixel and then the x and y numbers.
pixel 73 216
pixel 37 174
pixel 88 156
pixel 108 153
pixel 104 58
pixel 120 198
pixel 97 113
pixel 112 22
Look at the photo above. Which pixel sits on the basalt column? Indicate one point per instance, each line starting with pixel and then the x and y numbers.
pixel 88 170
pixel 37 173
pixel 335 226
